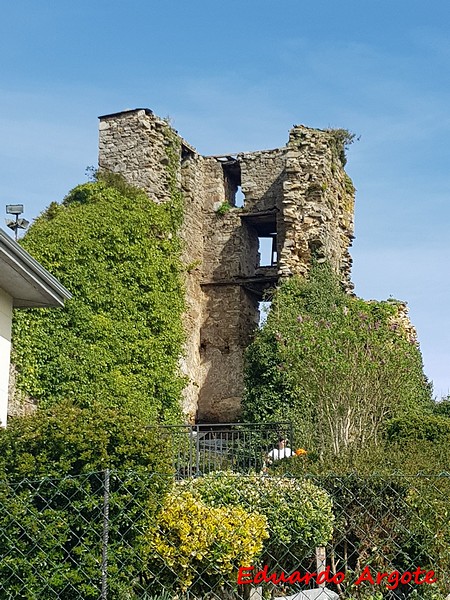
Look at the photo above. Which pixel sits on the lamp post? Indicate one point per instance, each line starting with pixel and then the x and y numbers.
pixel 16 210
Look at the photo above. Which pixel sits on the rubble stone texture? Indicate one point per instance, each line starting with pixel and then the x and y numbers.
pixel 297 197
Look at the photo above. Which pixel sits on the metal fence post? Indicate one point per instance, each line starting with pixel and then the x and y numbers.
pixel 105 537
pixel 197 452
pixel 321 561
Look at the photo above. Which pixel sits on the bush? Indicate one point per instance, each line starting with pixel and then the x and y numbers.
pixel 197 544
pixel 390 521
pixel 433 428
pixel 69 440
pixel 52 486
pixel 299 514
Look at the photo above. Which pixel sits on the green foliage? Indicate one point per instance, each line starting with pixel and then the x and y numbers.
pixel 223 209
pixel 299 514
pixel 385 520
pixel 338 367
pixel 69 440
pixel 341 140
pixel 443 407
pixel 349 187
pixel 191 538
pixel 52 482
pixel 118 341
pixel 434 428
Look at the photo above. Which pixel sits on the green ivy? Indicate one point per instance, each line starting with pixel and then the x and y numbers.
pixel 119 339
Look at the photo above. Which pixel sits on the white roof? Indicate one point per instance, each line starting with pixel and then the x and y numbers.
pixel 23 278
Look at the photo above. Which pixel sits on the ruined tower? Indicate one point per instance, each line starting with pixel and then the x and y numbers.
pixel 249 219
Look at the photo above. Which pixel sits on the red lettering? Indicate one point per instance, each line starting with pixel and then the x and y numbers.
pixel 403 577
pixel 417 573
pixel 428 575
pixel 365 576
pixel 295 577
pixel 324 577
pixel 283 578
pixel 393 580
pixel 271 578
pixel 260 576
pixel 380 577
pixel 263 576
pixel 242 573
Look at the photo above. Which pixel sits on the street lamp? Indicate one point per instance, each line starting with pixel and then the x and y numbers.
pixel 16 209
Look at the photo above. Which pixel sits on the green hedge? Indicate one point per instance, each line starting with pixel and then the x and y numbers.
pixel 52 487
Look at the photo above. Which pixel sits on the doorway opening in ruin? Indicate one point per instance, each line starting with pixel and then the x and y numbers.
pixel 264 228
pixel 232 180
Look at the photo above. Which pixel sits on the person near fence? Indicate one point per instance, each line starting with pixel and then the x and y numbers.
pixel 281 451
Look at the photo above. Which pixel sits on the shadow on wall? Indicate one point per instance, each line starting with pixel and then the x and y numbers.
pixel 244 246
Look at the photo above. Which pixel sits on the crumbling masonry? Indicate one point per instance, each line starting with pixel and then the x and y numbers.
pixel 250 219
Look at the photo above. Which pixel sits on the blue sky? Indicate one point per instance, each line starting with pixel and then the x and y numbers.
pixel 235 76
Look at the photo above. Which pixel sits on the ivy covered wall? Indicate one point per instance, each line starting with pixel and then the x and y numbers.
pixel 119 340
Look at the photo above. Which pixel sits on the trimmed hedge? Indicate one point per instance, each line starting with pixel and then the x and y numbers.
pixel 299 513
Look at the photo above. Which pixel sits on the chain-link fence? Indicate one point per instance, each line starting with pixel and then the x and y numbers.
pixel 137 535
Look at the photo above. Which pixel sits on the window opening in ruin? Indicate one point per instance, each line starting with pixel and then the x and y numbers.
pixel 232 179
pixel 239 198
pixel 263 307
pixel 268 250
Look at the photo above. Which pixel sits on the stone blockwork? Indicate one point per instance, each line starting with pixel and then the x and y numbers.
pixel 298 199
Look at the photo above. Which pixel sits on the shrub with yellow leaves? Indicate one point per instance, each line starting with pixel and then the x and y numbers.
pixel 194 546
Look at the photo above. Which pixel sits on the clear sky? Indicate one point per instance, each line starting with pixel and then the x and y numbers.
pixel 235 76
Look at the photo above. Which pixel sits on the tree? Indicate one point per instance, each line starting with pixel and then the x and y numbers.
pixel 118 341
pixel 337 366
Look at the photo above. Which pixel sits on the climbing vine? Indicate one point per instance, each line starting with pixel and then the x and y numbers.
pixel 119 339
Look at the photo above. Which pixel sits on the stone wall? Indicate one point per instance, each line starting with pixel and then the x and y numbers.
pixel 133 143
pixel 318 206
pixel 299 195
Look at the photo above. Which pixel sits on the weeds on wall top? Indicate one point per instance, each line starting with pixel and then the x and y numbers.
pixel 341 140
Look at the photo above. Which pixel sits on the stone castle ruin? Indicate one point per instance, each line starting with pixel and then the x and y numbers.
pixel 249 219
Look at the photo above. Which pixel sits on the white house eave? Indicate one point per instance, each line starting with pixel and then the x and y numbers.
pixel 25 280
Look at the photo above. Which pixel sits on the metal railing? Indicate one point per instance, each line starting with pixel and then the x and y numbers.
pixel 199 449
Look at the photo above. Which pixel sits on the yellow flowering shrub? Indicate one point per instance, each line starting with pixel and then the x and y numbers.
pixel 194 545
